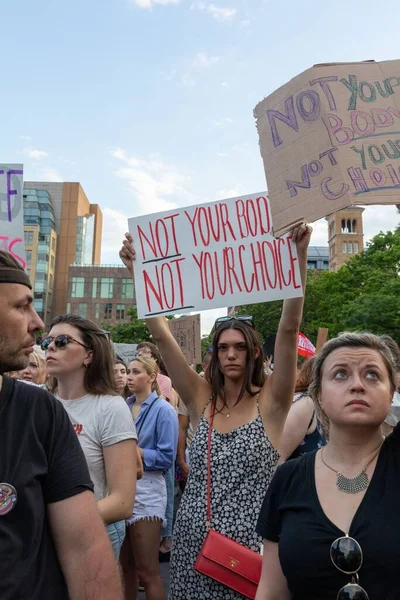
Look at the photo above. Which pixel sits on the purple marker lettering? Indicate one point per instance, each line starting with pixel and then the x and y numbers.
pixel 378 177
pixel 337 133
pixel 330 194
pixel 323 82
pixel 289 118
pixel 357 179
pixel 329 153
pixel 358 115
pixel 12 192
pixel 305 183
pixel 382 117
pixel 393 175
pixel 315 168
pixel 311 113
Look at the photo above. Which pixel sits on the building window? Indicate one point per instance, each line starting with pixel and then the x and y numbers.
pixel 120 312
pixel 28 236
pixel 355 246
pixel 82 309
pixel 28 256
pixel 106 287
pixel 350 248
pixel 108 310
pixel 68 307
pixel 78 287
pixel 127 288
pixel 94 287
pixel 42 257
pixel 97 310
pixel 344 248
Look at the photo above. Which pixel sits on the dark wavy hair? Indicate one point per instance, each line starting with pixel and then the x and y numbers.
pixel 254 375
pixel 99 374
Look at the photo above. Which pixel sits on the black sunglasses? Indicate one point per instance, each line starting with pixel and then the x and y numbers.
pixel 61 341
pixel 248 319
pixel 347 556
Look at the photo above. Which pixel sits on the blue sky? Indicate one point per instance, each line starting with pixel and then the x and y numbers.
pixel 148 103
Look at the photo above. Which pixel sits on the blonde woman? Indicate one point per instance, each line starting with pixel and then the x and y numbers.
pixel 35 371
pixel 157 429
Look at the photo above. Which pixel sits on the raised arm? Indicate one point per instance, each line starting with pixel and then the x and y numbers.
pixel 296 426
pixel 277 394
pixel 189 385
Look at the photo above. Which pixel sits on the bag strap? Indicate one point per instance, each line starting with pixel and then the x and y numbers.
pixel 139 429
pixel 210 428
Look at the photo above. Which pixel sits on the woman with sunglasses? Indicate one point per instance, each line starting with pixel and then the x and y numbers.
pixel 80 359
pixel 330 519
pixel 246 414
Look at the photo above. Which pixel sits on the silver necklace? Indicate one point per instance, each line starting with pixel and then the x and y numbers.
pixel 352 485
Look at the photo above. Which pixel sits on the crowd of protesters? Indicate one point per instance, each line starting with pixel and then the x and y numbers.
pixel 301 466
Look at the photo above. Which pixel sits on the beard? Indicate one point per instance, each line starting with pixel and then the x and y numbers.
pixel 11 360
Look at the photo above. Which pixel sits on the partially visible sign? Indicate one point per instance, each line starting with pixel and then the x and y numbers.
pixel 211 256
pixel 186 331
pixel 330 138
pixel 126 351
pixel 305 347
pixel 12 211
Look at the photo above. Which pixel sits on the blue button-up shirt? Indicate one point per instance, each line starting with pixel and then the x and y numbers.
pixel 158 436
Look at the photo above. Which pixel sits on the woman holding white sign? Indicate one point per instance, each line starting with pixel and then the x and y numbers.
pixel 239 418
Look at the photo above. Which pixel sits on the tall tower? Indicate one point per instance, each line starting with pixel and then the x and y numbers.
pixel 345 235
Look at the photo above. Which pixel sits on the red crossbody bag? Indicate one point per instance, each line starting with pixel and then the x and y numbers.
pixel 223 559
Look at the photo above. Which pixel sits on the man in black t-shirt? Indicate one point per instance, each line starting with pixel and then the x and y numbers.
pixel 53 543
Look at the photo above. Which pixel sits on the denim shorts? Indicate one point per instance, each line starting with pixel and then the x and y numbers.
pixel 116 533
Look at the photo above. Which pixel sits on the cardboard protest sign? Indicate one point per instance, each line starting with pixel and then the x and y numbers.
pixel 12 211
pixel 126 351
pixel 330 138
pixel 211 256
pixel 186 331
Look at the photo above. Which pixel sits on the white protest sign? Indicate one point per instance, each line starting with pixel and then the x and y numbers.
pixel 330 138
pixel 211 256
pixel 126 351
pixel 12 211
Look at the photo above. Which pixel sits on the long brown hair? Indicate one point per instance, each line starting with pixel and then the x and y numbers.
pixel 254 375
pixel 151 368
pixel 99 376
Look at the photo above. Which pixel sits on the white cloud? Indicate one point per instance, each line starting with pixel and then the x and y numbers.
pixel 155 185
pixel 221 14
pixel 202 60
pixel 218 13
pixel 50 174
pixel 115 224
pixel 151 3
pixel 26 138
pixel 221 122
pixel 35 154
pixel 224 84
pixel 237 190
pixel 244 24
pixel 188 81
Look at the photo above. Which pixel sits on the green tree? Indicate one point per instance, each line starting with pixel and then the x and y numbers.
pixel 133 332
